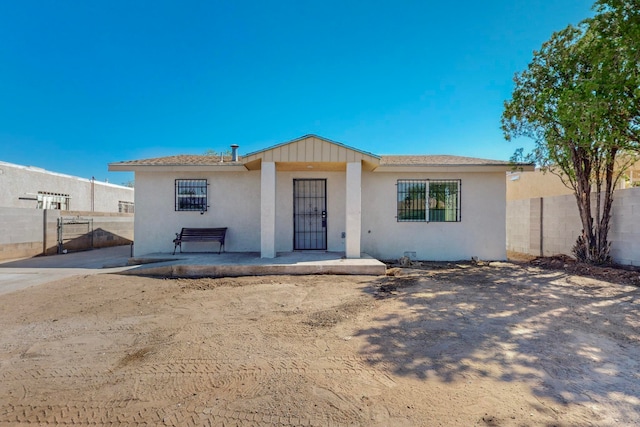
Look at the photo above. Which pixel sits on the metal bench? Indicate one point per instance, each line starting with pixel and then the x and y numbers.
pixel 200 235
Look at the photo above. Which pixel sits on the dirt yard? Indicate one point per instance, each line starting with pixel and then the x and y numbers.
pixel 444 344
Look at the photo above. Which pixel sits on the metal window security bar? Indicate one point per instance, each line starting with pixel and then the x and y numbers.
pixel 310 214
pixel 48 200
pixel 412 205
pixel 126 207
pixel 191 195
pixel 444 200
pixel 425 200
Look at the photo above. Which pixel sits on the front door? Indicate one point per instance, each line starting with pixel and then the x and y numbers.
pixel 310 214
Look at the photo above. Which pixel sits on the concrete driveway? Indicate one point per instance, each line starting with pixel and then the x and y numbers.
pixel 24 273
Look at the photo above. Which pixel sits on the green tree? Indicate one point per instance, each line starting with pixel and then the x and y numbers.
pixel 579 100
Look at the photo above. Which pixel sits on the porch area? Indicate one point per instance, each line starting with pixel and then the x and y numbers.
pixel 23 273
pixel 234 264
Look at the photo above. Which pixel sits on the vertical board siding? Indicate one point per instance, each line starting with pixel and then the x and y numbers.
pixel 311 150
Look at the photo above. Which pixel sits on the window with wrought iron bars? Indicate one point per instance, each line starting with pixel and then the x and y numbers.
pixel 428 200
pixel 191 195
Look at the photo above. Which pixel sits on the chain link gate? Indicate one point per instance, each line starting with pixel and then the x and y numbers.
pixel 75 234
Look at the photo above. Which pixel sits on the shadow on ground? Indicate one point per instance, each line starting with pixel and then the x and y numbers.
pixel 572 339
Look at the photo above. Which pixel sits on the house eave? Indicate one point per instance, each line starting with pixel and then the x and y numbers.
pixel 451 168
pixel 220 167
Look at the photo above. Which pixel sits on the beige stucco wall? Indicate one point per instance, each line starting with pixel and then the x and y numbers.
pixel 530 184
pixel 21 181
pixel 481 231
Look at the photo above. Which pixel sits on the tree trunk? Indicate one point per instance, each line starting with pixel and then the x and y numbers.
pixel 604 246
pixel 593 244
pixel 582 168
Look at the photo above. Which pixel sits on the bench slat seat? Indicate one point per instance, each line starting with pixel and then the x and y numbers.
pixel 200 235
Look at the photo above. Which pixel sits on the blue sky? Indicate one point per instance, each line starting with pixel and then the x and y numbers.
pixel 86 83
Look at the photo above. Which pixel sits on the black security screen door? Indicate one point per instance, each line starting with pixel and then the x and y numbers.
pixel 310 214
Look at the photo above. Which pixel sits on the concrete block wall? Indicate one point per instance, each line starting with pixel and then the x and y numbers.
pixel 553 225
pixel 560 225
pixel 625 227
pixel 21 232
pixel 536 210
pixel 518 224
pixel 50 237
pixel 31 232
pixel 109 229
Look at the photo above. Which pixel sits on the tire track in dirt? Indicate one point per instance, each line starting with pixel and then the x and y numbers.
pixel 84 414
pixel 170 381
pixel 325 365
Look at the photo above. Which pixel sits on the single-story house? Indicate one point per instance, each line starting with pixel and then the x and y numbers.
pixel 315 194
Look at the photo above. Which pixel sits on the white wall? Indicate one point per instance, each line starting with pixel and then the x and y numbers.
pixel 481 231
pixel 18 182
pixel 233 199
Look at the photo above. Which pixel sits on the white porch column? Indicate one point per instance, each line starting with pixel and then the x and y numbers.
pixel 268 210
pixel 354 210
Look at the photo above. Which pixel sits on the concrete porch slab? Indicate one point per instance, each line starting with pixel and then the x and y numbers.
pixel 233 264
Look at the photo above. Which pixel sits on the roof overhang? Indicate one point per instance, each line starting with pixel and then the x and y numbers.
pixel 124 167
pixel 453 168
pixel 314 153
